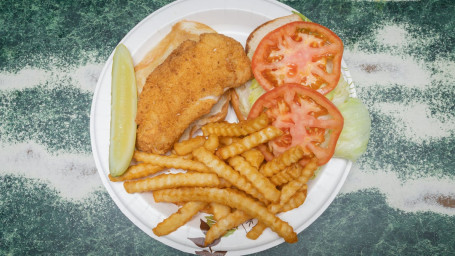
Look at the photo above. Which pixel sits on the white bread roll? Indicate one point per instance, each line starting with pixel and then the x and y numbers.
pixel 260 32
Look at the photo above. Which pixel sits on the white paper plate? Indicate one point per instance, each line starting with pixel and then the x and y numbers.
pixel 235 18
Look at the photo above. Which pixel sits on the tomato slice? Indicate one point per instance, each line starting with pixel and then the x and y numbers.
pixel 306 117
pixel 299 52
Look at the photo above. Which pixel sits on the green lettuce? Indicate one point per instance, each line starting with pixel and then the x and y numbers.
pixel 354 138
pixel 256 91
pixel 340 94
pixel 248 94
pixel 303 17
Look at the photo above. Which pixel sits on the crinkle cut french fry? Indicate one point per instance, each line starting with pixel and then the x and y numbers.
pixel 290 156
pixel 294 185
pixel 170 161
pixel 227 140
pixel 287 174
pixel 219 210
pixel 278 207
pixel 220 228
pixel 185 147
pixel 193 179
pixel 178 219
pixel 207 209
pixel 226 172
pixel 249 142
pixel 259 181
pixel 212 143
pixel 256 231
pixel 187 156
pixel 137 171
pixel 241 128
pixel 224 183
pixel 295 201
pixel 268 156
pixel 254 157
pixel 234 199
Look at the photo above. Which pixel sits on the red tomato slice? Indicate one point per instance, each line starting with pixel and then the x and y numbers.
pixel 299 52
pixel 307 118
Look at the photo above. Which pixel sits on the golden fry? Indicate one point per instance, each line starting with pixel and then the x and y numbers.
pixel 254 157
pixel 178 219
pixel 290 156
pixel 293 203
pixel 259 181
pixel 294 185
pixel 233 198
pixel 227 140
pixel 241 128
pixel 278 207
pixel 163 181
pixel 137 171
pixel 207 209
pixel 268 155
pixel 296 200
pixel 212 143
pixel 249 142
pixel 220 228
pixel 170 161
pixel 185 147
pixel 287 174
pixel 224 183
pixel 256 231
pixel 226 172
pixel 219 211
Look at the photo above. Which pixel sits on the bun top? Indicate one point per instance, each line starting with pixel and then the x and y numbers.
pixel 260 32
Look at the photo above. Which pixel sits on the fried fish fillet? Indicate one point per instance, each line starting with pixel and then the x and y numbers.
pixel 186 86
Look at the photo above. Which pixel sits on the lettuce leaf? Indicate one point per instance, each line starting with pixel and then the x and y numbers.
pixel 340 94
pixel 256 91
pixel 354 138
pixel 248 94
pixel 303 17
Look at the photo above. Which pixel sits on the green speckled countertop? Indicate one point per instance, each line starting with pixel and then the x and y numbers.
pixel 399 198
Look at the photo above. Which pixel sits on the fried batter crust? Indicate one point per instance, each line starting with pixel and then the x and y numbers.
pixel 186 86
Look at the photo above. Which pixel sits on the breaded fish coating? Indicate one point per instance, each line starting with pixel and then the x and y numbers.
pixel 186 86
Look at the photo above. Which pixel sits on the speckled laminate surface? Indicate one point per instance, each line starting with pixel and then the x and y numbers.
pixel 399 198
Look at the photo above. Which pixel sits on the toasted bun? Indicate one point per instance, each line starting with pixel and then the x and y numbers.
pixel 235 102
pixel 181 31
pixel 260 32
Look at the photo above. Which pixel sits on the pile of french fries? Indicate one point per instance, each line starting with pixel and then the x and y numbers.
pixel 224 174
